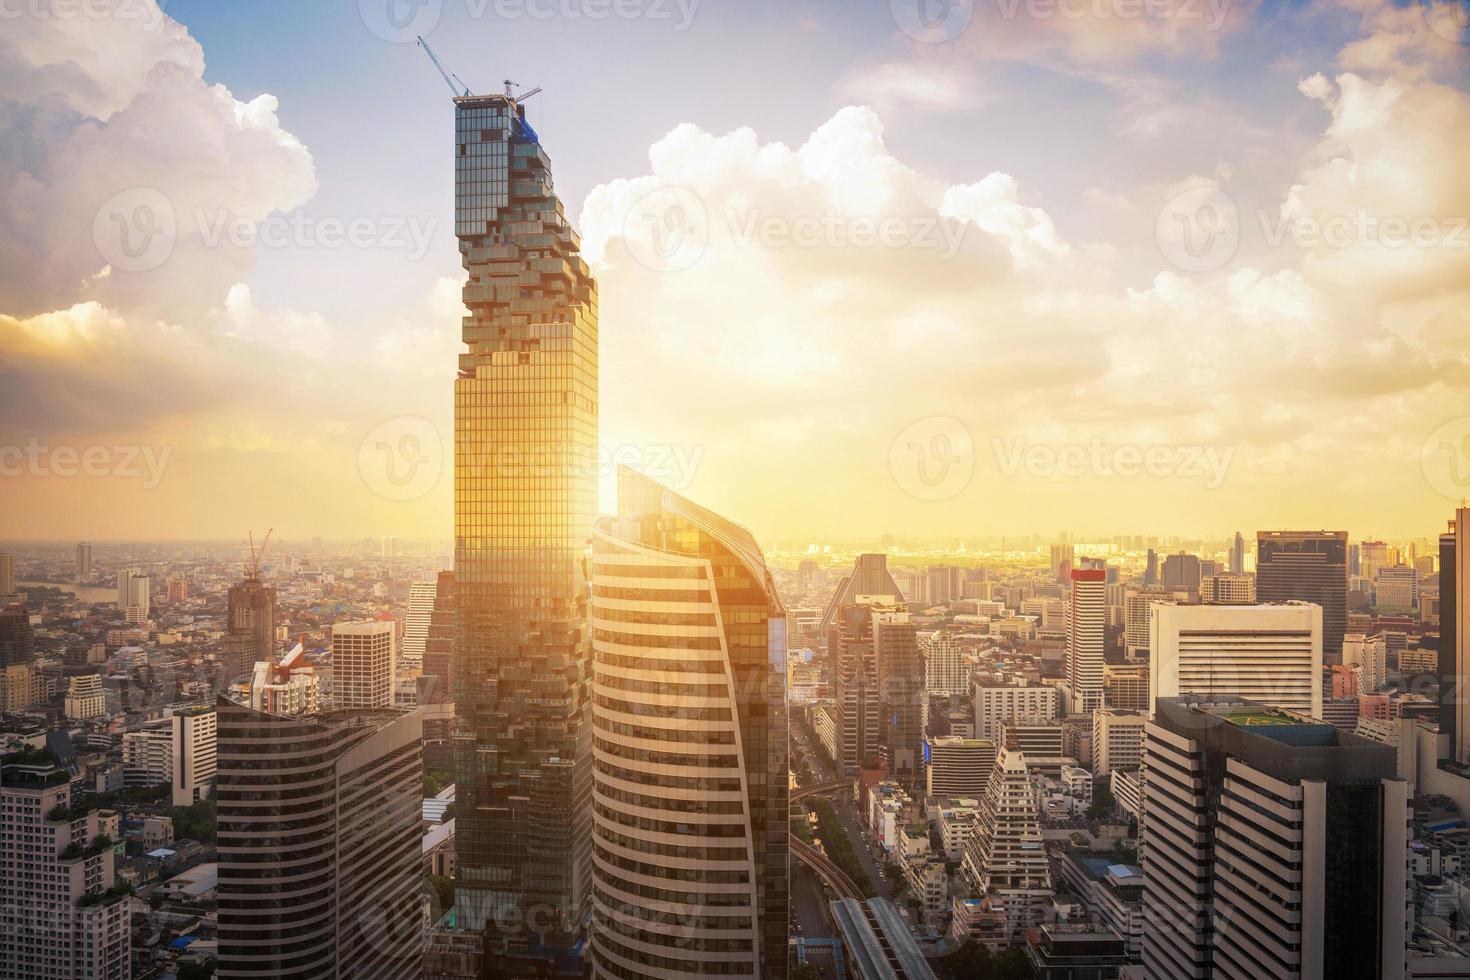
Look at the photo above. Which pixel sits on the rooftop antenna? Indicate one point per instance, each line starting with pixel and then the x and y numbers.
pixel 455 83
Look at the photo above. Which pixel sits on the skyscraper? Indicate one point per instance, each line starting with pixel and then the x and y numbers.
pixel 1454 634
pixel 1151 570
pixel 857 700
pixel 1308 566
pixel 1086 622
pixel 84 560
pixel 690 790
pixel 1005 861
pixel 416 623
pixel 319 844
pixel 363 664
pixel 1237 554
pixel 250 627
pixel 869 577
pixel 1276 847
pixel 1271 654
pixel 134 595
pixel 7 574
pixel 439 643
pixel 901 698
pixel 525 451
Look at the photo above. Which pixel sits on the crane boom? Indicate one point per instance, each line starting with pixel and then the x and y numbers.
pixel 450 78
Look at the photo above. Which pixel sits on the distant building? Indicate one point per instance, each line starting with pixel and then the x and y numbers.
pixel 84 698
pixel 7 574
pixel 439 642
pixel 1136 603
pixel 1182 571
pixel 1065 951
pixel 1125 686
pixel 1228 589
pixel 1275 846
pixel 250 628
pixel 1117 740
pixel 997 705
pixel 320 815
pixel 84 559
pixel 1267 653
pixel 57 864
pixel 416 623
pixel 1396 589
pixel 134 595
pixel 179 750
pixel 959 767
pixel 363 656
pixel 1086 635
pixel 869 577
pixel 1005 863
pixel 946 669
pixel 1306 566
pixel 290 687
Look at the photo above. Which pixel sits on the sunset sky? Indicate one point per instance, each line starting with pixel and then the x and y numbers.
pixel 1043 266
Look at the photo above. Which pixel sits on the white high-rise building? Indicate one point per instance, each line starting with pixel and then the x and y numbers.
pixel 1005 861
pixel 84 698
pixel 416 624
pixel 946 669
pixel 1369 654
pixel 133 595
pixel 290 687
pixel 1270 654
pixel 179 750
pixel 1117 740
pixel 1087 612
pixel 363 656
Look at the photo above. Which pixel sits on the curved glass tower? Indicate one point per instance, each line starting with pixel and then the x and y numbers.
pixel 689 842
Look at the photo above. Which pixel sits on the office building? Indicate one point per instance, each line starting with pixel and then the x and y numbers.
pixel 690 799
pixel 1307 566
pixel 526 441
pixel 902 698
pixel 1136 621
pixel 1117 740
pixel 180 750
pixel 998 704
pixel 17 636
pixel 59 918
pixel 1070 951
pixel 1372 557
pixel 250 627
pixel 857 709
pixel 946 668
pixel 1183 572
pixel 1229 589
pixel 1271 654
pixel 320 815
pixel 1125 686
pixel 84 559
pixel 869 577
pixel 1151 569
pixel 363 664
pixel 1237 554
pixel 416 624
pixel 1276 847
pixel 1086 638
pixel 290 687
pixel 1396 590
pixel 959 768
pixel 439 643
pixel 1005 861
pixel 7 575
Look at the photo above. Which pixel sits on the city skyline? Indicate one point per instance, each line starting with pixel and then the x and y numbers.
pixel 295 379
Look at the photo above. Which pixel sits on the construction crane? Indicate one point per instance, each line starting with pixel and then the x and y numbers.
pixel 523 96
pixel 256 556
pixel 455 83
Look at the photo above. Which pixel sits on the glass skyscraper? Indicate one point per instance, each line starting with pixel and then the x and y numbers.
pixel 690 821
pixel 525 489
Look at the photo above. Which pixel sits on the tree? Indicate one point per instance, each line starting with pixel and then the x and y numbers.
pixel 1102 801
pixel 194 822
pixel 804 971
pixel 443 889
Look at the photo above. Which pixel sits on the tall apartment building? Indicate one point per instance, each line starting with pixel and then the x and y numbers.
pixel 525 451
pixel 363 664
pixel 1228 589
pixel 439 642
pixel 319 842
pixel 85 698
pixel 1369 655
pixel 84 559
pixel 690 798
pixel 416 623
pixel 180 750
pixel 869 577
pixel 1271 654
pixel 997 705
pixel 946 668
pixel 1086 638
pixel 57 917
pixel 1005 862
pixel 959 768
pixel 1117 740
pixel 1237 554
pixel 250 627
pixel 133 595
pixel 1276 847
pixel 1306 566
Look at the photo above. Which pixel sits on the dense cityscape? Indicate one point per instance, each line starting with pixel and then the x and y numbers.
pixel 629 735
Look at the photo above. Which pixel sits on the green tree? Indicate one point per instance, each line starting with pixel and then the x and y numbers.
pixel 194 822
